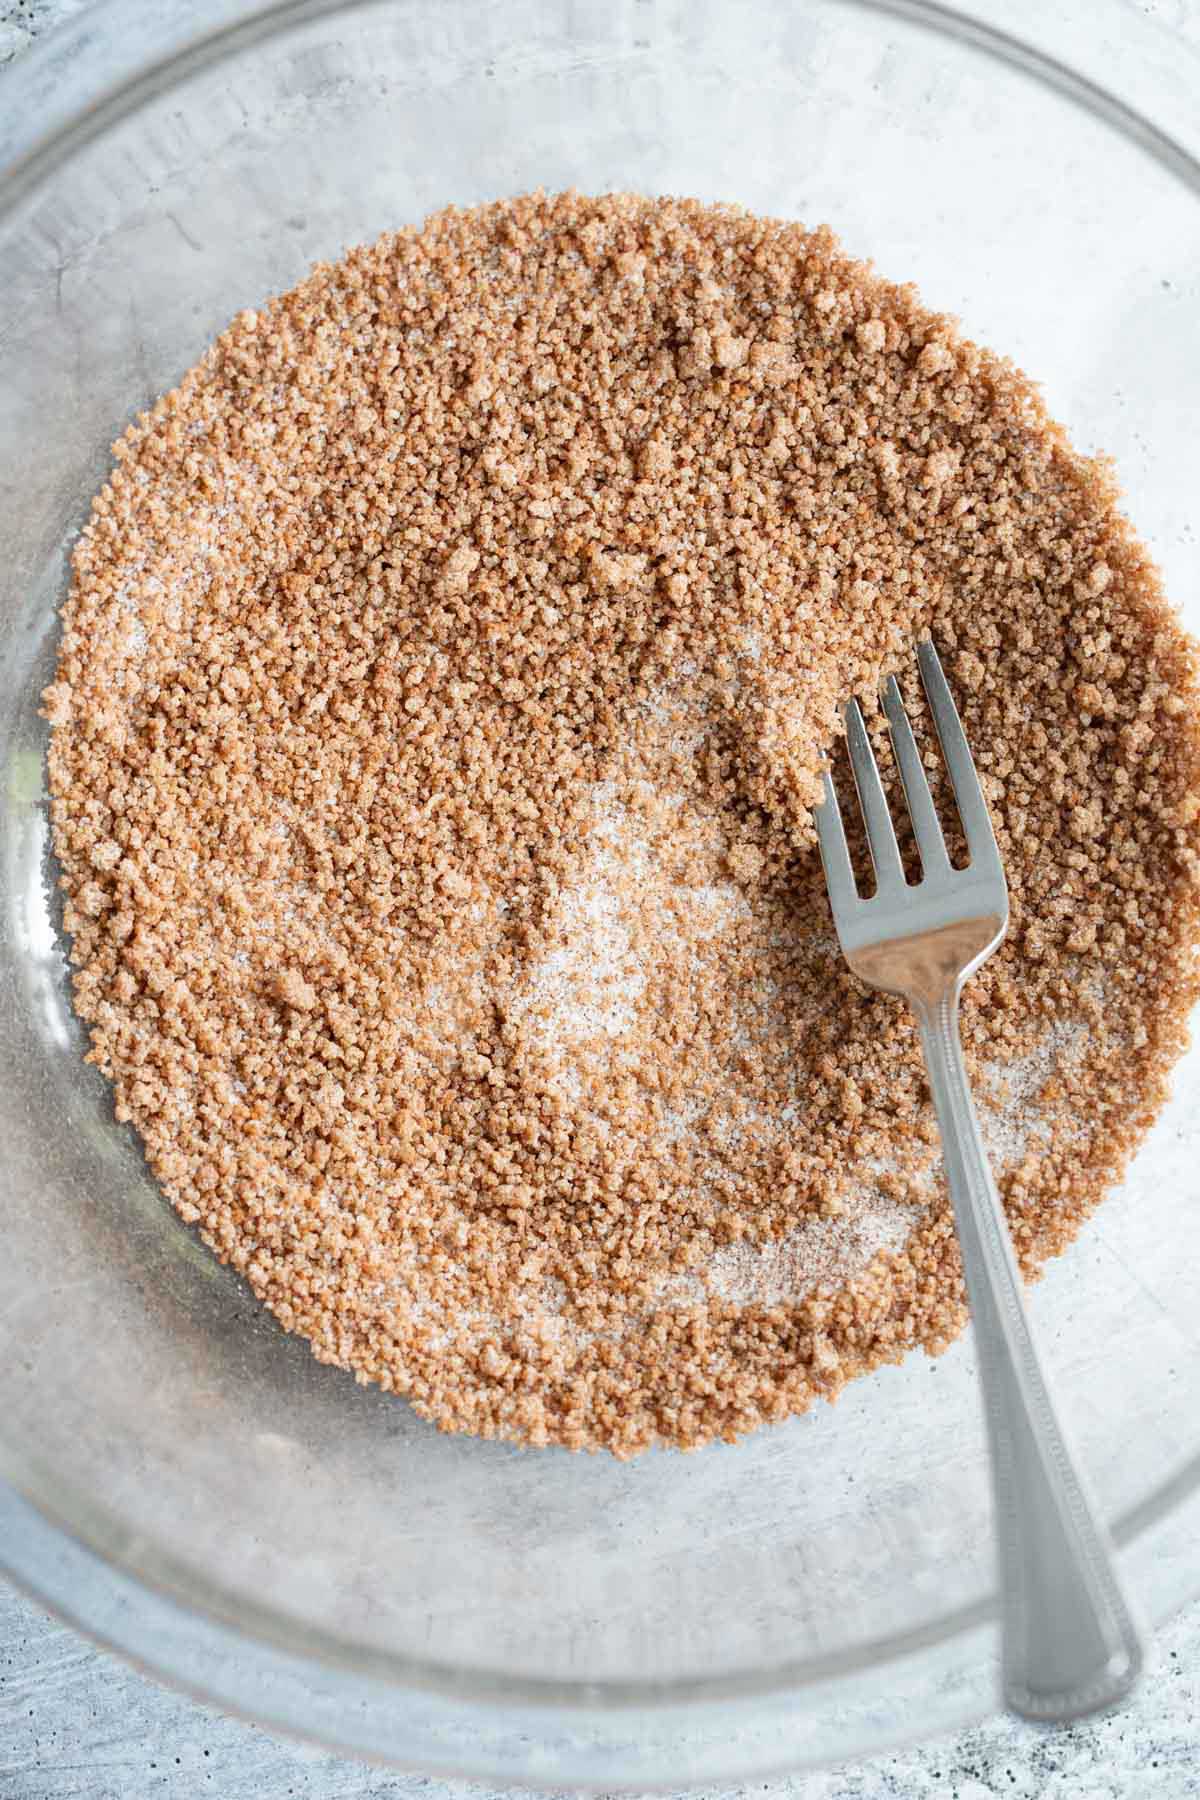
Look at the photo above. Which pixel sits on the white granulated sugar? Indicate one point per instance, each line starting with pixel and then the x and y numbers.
pixel 1008 1093
pixel 588 984
pixel 818 1253
pixel 713 907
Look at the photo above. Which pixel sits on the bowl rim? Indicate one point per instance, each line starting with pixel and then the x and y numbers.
pixel 92 1529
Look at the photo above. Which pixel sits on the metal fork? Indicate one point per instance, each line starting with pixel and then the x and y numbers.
pixel 1071 1642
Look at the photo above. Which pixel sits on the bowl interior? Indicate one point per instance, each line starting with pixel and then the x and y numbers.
pixel 145 1401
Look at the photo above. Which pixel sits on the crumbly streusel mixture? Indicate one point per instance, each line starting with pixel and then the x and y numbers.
pixel 443 683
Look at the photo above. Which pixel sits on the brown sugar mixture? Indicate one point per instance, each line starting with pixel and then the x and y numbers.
pixel 443 688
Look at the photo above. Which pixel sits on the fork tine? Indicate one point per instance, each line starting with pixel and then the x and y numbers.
pixel 835 853
pixel 881 833
pixel 972 807
pixel 921 810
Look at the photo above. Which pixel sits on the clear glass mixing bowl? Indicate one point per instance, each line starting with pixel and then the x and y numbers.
pixel 185 1480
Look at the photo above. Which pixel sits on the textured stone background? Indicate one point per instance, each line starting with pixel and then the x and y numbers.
pixel 77 1725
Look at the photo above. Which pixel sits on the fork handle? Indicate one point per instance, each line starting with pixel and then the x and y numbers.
pixel 1071 1642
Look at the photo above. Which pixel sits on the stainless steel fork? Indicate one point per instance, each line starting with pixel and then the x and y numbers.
pixel 1071 1642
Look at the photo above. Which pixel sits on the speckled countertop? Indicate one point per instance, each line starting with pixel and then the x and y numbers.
pixel 76 1723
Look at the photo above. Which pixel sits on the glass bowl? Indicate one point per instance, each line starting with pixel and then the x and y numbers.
pixel 186 1481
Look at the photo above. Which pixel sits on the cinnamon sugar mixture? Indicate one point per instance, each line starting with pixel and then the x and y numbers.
pixel 443 687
